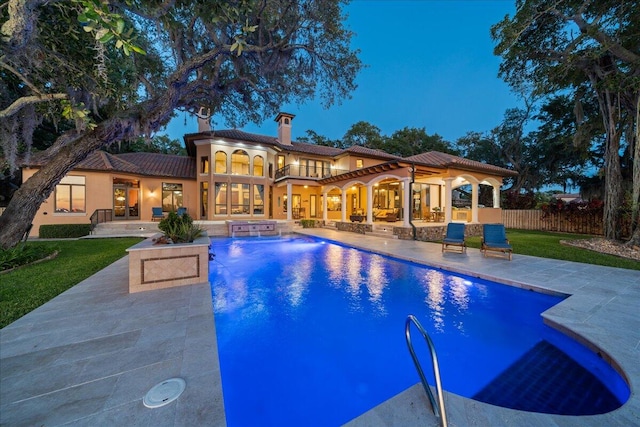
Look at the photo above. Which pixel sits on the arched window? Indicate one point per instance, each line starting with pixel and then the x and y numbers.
pixel 258 166
pixel 240 163
pixel 221 162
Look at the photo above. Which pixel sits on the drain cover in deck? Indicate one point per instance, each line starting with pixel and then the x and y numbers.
pixel 164 393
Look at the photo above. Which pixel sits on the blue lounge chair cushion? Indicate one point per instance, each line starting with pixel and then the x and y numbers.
pixel 454 237
pixel 494 238
pixel 156 213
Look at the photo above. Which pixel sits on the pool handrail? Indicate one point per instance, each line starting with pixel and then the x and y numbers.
pixel 437 407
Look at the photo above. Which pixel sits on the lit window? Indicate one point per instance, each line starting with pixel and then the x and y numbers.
pixel 221 198
pixel 70 194
pixel 258 166
pixel 171 197
pixel 204 164
pixel 221 162
pixel 239 199
pixel 240 163
pixel 359 163
pixel 258 199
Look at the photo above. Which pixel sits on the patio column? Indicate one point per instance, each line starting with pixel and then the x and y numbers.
pixel 406 202
pixel 475 188
pixel 369 203
pixel 343 207
pixel 289 197
pixel 447 200
pixel 496 196
pixel 325 216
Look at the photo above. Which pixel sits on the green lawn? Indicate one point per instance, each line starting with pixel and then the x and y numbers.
pixel 547 245
pixel 26 288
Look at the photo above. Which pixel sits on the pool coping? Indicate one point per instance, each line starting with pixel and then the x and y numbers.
pixel 89 355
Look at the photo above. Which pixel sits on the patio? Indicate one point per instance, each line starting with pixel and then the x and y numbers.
pixel 89 356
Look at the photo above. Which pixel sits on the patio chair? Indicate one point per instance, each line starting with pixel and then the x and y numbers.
pixel 156 213
pixel 453 240
pixel 181 211
pixel 494 239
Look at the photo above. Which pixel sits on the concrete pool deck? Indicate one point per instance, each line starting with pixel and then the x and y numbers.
pixel 88 356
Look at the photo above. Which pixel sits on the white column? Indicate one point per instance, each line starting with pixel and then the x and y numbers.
pixel 496 196
pixel 289 197
pixel 447 200
pixel 475 188
pixel 406 202
pixel 369 203
pixel 325 216
pixel 343 207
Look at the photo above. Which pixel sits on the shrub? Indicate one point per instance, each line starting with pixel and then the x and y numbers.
pixel 22 255
pixel 180 229
pixel 64 231
pixel 308 223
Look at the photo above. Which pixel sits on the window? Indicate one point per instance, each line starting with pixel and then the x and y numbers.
pixel 70 194
pixel 280 162
pixel 359 163
pixel 239 199
pixel 171 197
pixel 204 199
pixel 258 166
pixel 221 162
pixel 221 198
pixel 258 199
pixel 204 164
pixel 240 163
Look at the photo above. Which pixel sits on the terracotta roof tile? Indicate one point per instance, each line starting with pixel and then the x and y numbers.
pixel 149 164
pixel 444 160
pixel 357 149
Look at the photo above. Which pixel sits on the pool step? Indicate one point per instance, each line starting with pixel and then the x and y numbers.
pixel 382 231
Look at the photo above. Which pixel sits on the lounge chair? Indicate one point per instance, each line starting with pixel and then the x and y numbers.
pixel 156 213
pixel 453 240
pixel 494 239
pixel 181 211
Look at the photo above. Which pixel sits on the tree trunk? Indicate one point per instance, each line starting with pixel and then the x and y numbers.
pixel 635 193
pixel 612 171
pixel 26 201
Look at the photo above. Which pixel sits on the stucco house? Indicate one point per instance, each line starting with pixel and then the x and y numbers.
pixel 235 175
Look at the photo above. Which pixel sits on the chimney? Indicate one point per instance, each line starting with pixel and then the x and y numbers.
pixel 284 127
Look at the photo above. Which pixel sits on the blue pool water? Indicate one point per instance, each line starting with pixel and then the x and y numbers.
pixel 312 333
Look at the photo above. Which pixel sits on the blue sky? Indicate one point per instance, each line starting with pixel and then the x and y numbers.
pixel 430 64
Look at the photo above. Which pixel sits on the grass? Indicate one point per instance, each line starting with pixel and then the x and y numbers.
pixel 26 288
pixel 547 245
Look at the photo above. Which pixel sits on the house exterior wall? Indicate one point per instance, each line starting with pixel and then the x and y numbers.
pixel 99 195
pixel 95 198
pixel 208 149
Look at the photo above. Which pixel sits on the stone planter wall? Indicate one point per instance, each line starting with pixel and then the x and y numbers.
pixel 165 266
pixel 434 234
pixel 354 227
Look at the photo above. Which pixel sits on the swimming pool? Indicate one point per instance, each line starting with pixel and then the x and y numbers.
pixel 311 333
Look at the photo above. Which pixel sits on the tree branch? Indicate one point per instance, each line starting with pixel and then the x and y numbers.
pixel 19 103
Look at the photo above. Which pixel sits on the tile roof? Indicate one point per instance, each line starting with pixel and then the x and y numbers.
pixel 444 160
pixel 147 164
pixel 357 149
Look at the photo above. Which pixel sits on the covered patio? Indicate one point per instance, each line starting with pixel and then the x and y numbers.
pixel 431 188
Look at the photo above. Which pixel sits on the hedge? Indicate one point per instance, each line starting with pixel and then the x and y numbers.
pixel 64 231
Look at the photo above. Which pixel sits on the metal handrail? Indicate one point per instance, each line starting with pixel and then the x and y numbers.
pixel 99 216
pixel 437 407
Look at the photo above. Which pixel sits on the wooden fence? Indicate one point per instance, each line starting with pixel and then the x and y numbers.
pixel 564 222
